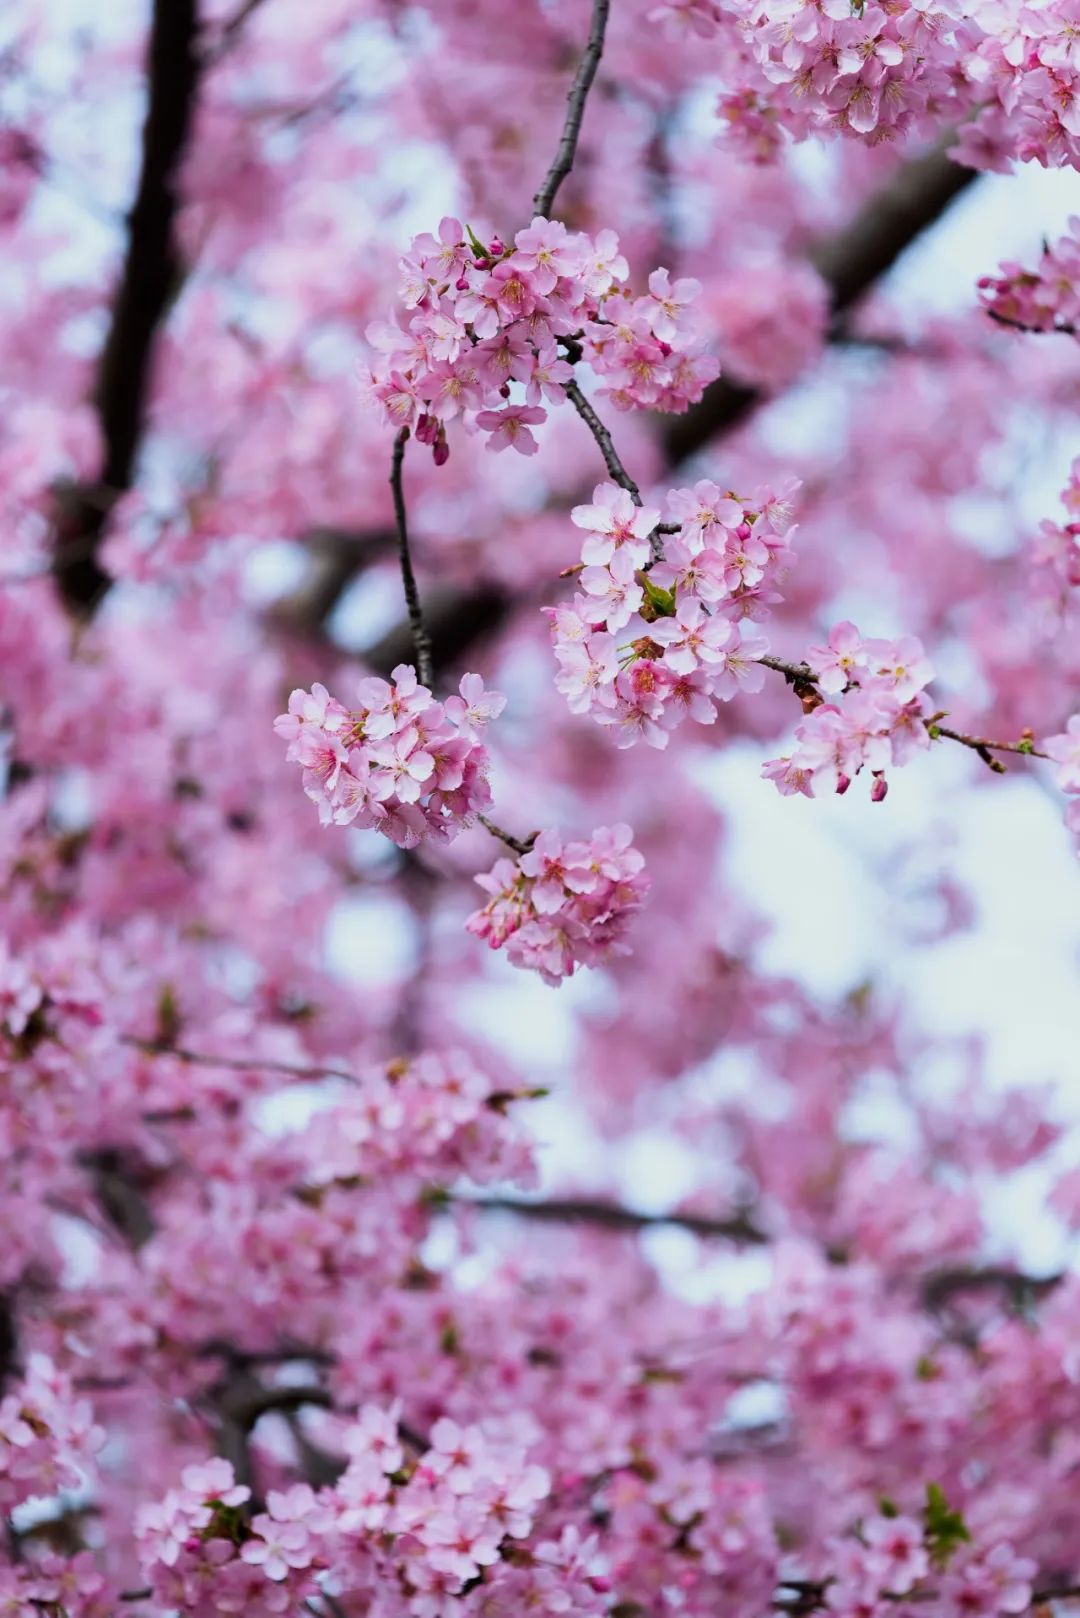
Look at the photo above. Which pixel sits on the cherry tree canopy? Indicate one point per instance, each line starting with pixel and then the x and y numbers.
pixel 440 442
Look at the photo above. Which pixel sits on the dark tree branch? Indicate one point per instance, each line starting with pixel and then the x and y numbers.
pixel 602 1215
pixel 606 444
pixel 577 95
pixel 850 262
pixel 337 557
pixel 1022 1290
pixel 417 628
pixel 148 281
pixel 520 845
pixel 455 623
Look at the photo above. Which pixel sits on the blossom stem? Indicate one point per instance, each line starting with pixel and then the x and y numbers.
pixel 982 745
pixel 1064 329
pixel 563 162
pixel 616 469
pixel 420 637
pixel 518 844
pixel 241 1064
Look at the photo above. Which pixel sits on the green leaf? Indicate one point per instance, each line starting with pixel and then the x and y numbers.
pixel 168 1016
pixel 944 1529
pixel 662 600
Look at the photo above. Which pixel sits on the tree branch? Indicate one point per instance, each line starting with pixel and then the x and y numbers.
pixel 803 681
pixel 237 1064
pixel 577 95
pixel 612 1216
pixel 616 470
pixel 420 639
pixel 850 262
pixel 148 281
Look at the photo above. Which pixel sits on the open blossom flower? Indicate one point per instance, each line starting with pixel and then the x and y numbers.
pixel 669 301
pixel 694 637
pixel 509 427
pixel 560 906
pixel 615 589
pixel 988 1584
pixel 897 1557
pixel 278 1547
pixel 399 762
pixel 613 522
pixel 840 660
pixel 546 251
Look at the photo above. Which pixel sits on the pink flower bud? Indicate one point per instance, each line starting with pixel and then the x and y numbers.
pixel 879 789
pixel 842 784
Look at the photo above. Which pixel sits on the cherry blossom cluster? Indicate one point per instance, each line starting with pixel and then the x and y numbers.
pixel 399 761
pixel 201 1555
pixel 67 1586
pixel 1044 299
pixel 865 71
pixel 563 905
pixel 48 1438
pixel 693 599
pixel 1064 749
pixel 876 714
pixel 895 1556
pixel 1054 555
pixel 878 72
pixel 478 321
pixel 1024 87
pixel 435 1525
pixel 429 1525
pixel 436 1116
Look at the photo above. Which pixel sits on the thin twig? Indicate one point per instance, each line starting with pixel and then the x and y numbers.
pixel 1065 329
pixel 615 466
pixel 604 439
pixel 983 745
pixel 238 1064
pixel 229 31
pixel 575 110
pixel 612 1216
pixel 421 640
pixel 795 673
pixel 519 845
